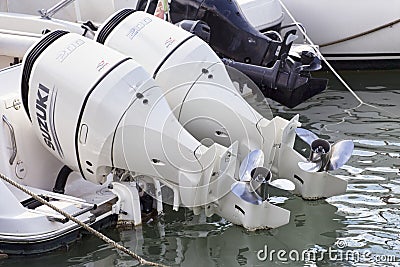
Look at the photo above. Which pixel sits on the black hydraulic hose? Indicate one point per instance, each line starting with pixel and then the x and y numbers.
pixel 61 180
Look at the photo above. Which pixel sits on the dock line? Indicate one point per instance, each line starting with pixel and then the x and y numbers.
pixel 80 223
pixel 299 26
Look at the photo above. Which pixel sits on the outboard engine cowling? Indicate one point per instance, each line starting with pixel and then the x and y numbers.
pixel 107 114
pixel 192 77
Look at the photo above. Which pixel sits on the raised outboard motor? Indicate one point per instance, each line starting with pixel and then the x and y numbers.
pixel 255 179
pixel 204 99
pixel 114 116
pixel 192 77
pixel 234 38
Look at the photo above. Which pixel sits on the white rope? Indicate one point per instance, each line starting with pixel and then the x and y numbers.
pixel 299 26
pixel 80 223
pixel 320 54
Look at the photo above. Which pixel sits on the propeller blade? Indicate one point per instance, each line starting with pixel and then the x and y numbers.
pixel 284 184
pixel 310 166
pixel 253 160
pixel 314 65
pixel 341 153
pixel 242 190
pixel 306 135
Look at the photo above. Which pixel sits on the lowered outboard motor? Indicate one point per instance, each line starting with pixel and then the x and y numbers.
pixel 234 38
pixel 113 115
pixel 106 117
pixel 204 99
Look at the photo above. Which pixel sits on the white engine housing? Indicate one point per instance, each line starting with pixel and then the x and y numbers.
pixel 110 115
pixel 140 33
pixel 194 79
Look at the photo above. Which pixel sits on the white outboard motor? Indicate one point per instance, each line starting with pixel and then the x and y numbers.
pixel 108 114
pixel 96 109
pixel 195 81
pixel 204 99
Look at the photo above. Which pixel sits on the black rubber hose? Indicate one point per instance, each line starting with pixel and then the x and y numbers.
pixel 61 180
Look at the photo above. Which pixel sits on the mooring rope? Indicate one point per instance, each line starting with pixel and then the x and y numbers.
pixel 329 65
pixel 361 34
pixel 320 54
pixel 80 223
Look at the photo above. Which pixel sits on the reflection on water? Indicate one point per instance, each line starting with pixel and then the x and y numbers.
pixel 365 219
pixel 369 209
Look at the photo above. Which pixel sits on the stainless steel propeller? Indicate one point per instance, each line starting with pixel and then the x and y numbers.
pixel 308 57
pixel 323 155
pixel 255 179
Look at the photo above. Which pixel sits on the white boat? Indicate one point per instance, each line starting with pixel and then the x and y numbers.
pixel 93 132
pixel 283 73
pixel 355 34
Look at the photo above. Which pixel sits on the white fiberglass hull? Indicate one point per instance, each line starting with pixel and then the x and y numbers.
pixel 361 33
pixel 334 26
pixel 342 29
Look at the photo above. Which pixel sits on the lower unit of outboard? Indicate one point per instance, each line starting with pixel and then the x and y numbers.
pixel 284 83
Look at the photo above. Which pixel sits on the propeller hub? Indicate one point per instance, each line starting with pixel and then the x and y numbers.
pixel 320 146
pixel 323 156
pixel 260 178
pixel 320 152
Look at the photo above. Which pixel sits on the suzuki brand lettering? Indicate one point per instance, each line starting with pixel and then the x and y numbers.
pixel 41 113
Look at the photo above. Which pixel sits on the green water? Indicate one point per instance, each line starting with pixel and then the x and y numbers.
pixel 359 228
